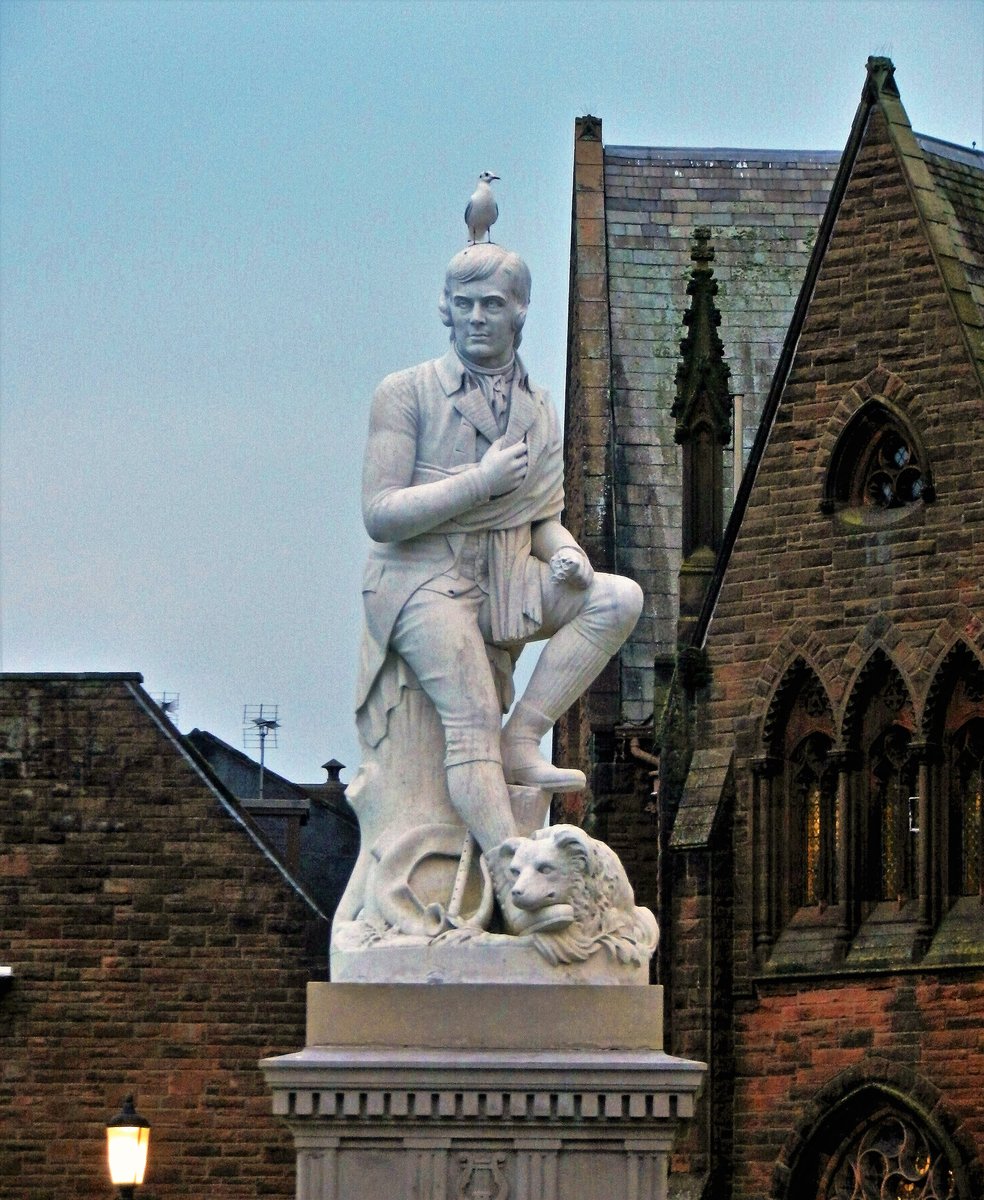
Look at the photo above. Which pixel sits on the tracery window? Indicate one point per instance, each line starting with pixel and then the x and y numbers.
pixel 877 464
pixel 890 1159
pixel 890 474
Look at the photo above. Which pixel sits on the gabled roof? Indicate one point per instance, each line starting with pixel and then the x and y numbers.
pixel 132 683
pixel 239 772
pixel 946 183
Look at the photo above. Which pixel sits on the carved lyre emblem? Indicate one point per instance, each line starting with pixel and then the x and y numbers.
pixel 482 1178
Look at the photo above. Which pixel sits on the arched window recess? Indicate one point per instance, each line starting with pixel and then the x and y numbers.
pixel 879 466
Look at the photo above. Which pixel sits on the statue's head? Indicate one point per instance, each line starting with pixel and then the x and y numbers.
pixel 502 271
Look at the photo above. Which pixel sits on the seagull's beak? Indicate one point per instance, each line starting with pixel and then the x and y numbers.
pixel 495 177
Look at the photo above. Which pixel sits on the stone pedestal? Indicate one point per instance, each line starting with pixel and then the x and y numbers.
pixel 482 1092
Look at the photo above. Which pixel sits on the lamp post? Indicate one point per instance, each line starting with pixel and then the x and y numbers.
pixel 127 1142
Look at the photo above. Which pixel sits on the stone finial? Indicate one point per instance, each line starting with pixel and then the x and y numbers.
pixel 588 128
pixel 881 76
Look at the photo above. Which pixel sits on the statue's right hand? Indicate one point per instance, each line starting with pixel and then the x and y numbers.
pixel 504 466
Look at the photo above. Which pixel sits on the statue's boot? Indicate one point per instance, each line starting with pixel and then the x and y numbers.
pixel 522 762
pixel 568 665
pixel 480 797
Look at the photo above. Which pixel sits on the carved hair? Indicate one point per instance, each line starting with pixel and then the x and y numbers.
pixel 479 262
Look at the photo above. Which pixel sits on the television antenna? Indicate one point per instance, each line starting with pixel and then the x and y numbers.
pixel 167 702
pixel 260 723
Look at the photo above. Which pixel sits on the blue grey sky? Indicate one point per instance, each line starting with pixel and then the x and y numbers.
pixel 223 221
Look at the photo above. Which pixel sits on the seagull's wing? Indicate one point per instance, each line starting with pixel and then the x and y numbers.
pixel 468 212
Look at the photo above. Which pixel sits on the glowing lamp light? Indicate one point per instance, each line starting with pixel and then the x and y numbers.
pixel 127 1142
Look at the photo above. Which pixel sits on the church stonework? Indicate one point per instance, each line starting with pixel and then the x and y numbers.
pixel 815 773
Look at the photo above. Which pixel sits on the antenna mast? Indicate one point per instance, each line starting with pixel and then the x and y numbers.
pixel 259 723
pixel 168 703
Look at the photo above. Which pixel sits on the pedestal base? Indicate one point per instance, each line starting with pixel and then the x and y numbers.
pixel 484 1092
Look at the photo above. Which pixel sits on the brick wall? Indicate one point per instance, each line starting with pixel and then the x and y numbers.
pixel 156 949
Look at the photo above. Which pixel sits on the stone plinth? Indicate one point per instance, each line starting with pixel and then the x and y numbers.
pixel 482 1092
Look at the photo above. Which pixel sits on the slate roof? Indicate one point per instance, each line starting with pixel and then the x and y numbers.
pixel 763 208
pixel 240 773
pixel 707 778
pixel 958 174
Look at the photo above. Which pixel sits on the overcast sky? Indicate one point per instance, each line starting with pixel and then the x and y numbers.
pixel 223 222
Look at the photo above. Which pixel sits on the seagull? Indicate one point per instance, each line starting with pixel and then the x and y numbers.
pixel 482 211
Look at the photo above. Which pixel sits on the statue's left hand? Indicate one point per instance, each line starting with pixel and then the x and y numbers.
pixel 570 565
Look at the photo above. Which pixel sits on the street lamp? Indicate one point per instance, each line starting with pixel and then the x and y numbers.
pixel 127 1141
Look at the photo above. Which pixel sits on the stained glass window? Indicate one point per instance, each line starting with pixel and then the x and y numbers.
pixel 890 1159
pixel 813 785
pixel 969 810
pixel 891 826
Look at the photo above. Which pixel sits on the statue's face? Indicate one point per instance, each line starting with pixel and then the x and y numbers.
pixel 485 318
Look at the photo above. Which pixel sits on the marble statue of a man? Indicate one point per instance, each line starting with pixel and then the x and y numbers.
pixel 462 496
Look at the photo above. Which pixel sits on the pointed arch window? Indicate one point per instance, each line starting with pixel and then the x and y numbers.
pixel 878 464
pixel 873 1146
pixel 799 819
pixel 812 791
pixel 880 724
pixel 890 1157
pixel 892 826
pixel 955 720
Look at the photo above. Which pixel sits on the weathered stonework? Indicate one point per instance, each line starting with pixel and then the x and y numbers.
pixel 853 1004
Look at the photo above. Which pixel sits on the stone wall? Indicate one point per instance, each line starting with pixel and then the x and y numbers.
pixel 802 1050
pixel 156 947
pixel 803 581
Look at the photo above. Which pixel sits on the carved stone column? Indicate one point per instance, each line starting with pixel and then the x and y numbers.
pixel 482 1092
pixel 927 872
pixel 765 840
pixel 845 763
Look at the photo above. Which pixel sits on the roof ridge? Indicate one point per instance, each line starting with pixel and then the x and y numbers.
pixel 931 137
pixel 75 676
pixel 753 152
